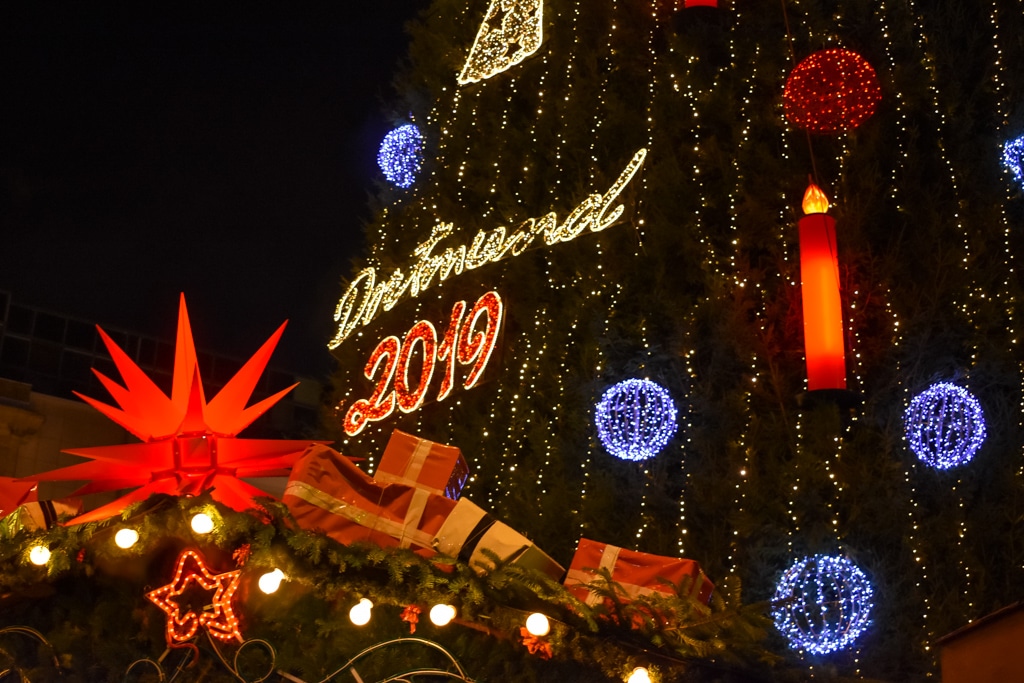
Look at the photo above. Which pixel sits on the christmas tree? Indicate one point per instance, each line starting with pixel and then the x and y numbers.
pixel 730 282
pixel 629 191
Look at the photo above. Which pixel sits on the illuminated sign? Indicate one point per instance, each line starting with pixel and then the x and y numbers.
pixel 463 343
pixel 366 297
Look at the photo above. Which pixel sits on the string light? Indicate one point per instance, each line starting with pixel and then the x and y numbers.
pixel 831 91
pixel 400 156
pixel 822 604
pixel 945 425
pixel 639 675
pixel 361 612
pixel 442 615
pixel 39 555
pixel 538 625
pixel 202 523
pixel 635 419
pixel 497 48
pixel 126 538
pixel 271 581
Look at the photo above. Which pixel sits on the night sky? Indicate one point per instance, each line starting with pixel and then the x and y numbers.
pixel 228 157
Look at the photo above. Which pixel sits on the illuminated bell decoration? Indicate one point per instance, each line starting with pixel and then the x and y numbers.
pixel 538 625
pixel 442 615
pixel 635 419
pixel 945 425
pixel 822 604
pixel 126 538
pixel 1012 152
pixel 39 555
pixel 819 286
pixel 217 615
pixel 401 155
pixel 831 91
pixel 361 612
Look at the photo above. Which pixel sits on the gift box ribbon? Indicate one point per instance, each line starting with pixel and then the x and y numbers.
pixel 609 556
pixel 406 531
pixel 470 539
pixel 413 467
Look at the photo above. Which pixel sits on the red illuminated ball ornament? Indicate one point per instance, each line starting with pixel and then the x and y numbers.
pixel 831 91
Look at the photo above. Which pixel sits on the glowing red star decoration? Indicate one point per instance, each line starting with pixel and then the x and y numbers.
pixel 188 444
pixel 218 618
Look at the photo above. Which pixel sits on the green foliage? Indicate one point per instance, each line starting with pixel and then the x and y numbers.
pixel 93 614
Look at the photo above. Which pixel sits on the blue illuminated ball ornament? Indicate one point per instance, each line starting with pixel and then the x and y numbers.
pixel 944 425
pixel 401 155
pixel 822 603
pixel 1012 152
pixel 635 419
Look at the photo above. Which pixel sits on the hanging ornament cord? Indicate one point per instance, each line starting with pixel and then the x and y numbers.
pixel 792 57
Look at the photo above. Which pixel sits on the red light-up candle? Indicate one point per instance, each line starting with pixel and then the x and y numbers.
pixel 819 276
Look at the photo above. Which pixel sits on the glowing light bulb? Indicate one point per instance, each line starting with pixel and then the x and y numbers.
pixel 39 555
pixel 126 538
pixel 537 624
pixel 441 615
pixel 271 581
pixel 361 612
pixel 639 675
pixel 202 524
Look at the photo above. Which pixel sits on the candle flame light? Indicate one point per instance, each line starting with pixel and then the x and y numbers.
pixel 815 200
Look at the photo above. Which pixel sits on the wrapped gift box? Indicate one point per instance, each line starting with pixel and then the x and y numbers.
pixel 327 491
pixel 39 514
pixel 638 573
pixel 469 530
pixel 411 460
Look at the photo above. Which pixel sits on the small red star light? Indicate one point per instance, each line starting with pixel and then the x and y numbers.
pixel 188 443
pixel 831 91
pixel 218 618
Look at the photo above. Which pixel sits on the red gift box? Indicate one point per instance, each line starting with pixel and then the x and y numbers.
pixel 469 530
pixel 417 462
pixel 638 573
pixel 326 491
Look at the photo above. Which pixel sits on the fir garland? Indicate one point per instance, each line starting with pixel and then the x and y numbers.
pixel 84 616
